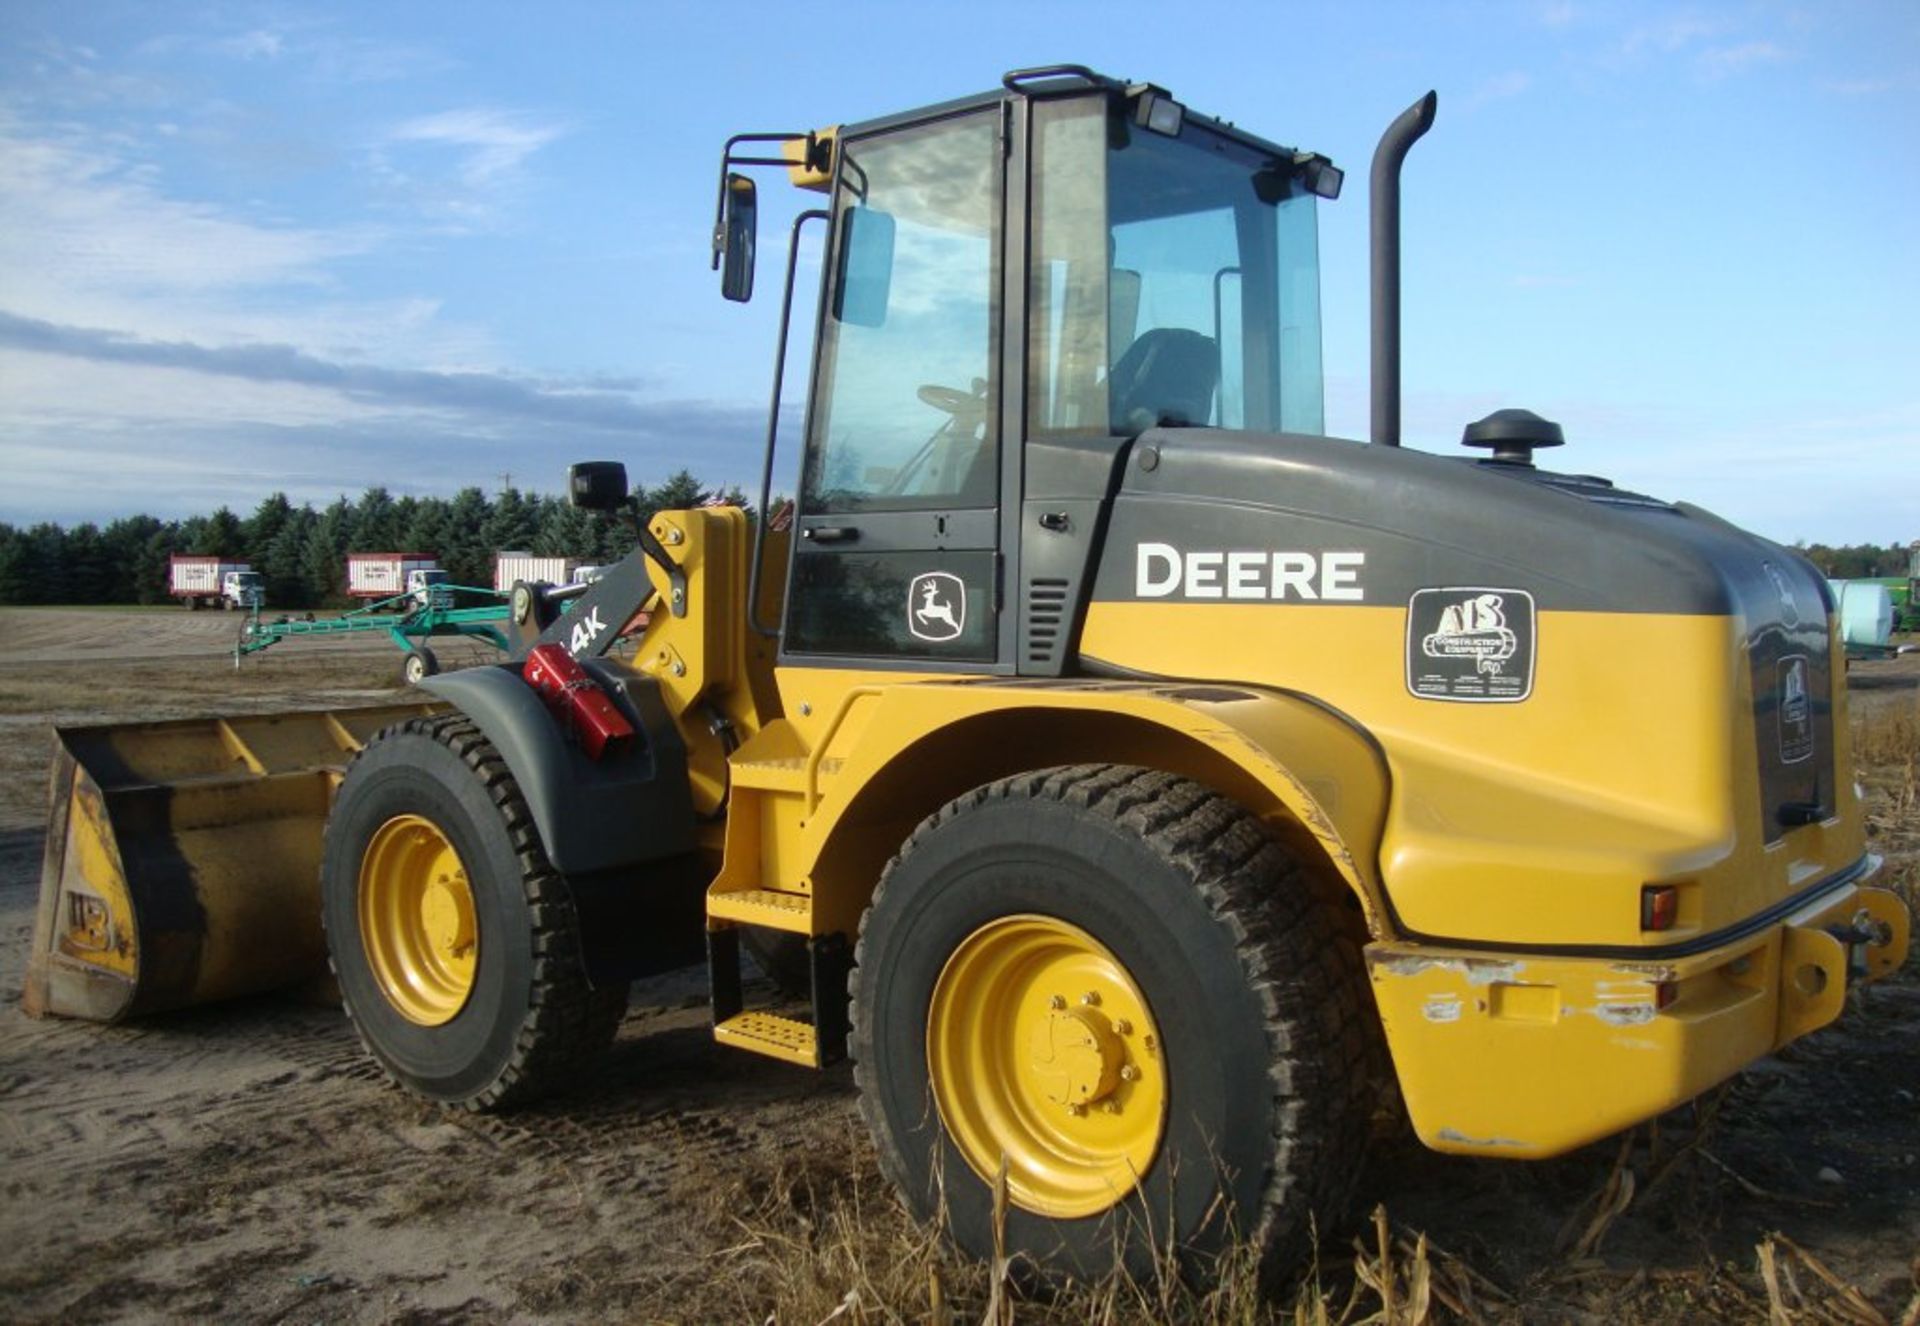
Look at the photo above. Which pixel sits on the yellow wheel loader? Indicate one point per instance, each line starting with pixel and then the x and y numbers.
pixel 1141 786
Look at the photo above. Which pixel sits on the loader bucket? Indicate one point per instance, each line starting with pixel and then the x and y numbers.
pixel 183 859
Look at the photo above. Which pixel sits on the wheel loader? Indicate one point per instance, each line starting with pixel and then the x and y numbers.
pixel 1141 787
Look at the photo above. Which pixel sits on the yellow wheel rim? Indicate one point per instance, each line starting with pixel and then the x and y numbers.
pixel 1042 1050
pixel 416 920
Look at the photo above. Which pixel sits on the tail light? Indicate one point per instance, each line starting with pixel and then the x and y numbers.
pixel 1659 906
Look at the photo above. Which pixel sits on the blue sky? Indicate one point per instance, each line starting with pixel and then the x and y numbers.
pixel 249 246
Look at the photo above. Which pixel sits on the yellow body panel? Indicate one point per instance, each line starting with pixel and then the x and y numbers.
pixel 823 798
pixel 1528 1056
pixel 1531 823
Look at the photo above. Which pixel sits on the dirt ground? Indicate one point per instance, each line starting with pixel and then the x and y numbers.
pixel 247 1163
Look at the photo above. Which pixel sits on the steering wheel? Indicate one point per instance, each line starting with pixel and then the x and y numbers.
pixel 953 400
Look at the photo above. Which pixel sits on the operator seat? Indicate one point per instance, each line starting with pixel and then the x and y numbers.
pixel 1167 376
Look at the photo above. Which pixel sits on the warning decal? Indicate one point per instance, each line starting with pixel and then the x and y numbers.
pixel 1473 645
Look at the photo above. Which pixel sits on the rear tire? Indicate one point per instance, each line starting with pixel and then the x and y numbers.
pixel 493 1007
pixel 1175 910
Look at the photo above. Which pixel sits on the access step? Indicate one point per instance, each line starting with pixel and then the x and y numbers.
pixel 775 909
pixel 815 1044
pixel 772 1035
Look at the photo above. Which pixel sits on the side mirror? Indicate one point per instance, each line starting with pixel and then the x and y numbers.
pixel 597 485
pixel 866 268
pixel 738 226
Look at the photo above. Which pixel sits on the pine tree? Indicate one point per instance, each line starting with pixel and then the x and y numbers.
pixel 323 559
pixel 125 542
pixel 16 580
pixel 375 524
pixel 466 556
pixel 224 537
pixel 282 565
pixel 260 529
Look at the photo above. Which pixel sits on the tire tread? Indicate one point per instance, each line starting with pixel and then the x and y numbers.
pixel 570 1020
pixel 1298 960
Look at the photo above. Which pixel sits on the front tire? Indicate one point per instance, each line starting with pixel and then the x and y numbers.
pixel 454 940
pixel 1116 980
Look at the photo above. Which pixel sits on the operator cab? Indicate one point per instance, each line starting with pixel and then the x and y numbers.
pixel 1017 286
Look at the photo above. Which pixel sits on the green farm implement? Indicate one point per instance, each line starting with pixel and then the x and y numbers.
pixel 409 620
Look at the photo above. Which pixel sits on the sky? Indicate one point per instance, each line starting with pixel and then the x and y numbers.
pixel 248 247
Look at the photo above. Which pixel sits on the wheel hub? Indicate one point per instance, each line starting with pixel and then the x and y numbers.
pixel 1043 1057
pixel 1075 1057
pixel 417 920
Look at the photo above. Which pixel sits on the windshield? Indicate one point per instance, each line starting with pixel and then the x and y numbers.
pixel 1175 281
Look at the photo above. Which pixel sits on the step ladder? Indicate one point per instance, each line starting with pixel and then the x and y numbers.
pixel 777 764
pixel 816 1044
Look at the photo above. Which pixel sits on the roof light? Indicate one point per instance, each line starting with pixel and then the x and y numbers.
pixel 1155 110
pixel 1320 175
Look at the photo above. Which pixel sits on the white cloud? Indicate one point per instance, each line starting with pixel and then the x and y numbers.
pixel 1721 61
pixel 1860 87
pixel 257 45
pixel 75 218
pixel 1670 34
pixel 494 143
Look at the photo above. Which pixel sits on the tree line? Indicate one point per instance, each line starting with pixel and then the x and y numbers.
pixel 301 553
pixel 1857 561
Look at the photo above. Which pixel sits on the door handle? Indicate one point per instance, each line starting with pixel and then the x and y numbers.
pixel 830 533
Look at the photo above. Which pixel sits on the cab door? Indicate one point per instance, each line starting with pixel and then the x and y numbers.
pixel 896 559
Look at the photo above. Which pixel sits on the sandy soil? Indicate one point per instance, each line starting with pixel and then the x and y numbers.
pixel 247 1163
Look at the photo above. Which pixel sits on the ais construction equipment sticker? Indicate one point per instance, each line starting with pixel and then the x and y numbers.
pixel 1473 645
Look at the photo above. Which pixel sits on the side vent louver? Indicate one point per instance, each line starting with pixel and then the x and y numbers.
pixel 1046 620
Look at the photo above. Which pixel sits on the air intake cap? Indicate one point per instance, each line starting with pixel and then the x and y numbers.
pixel 1512 435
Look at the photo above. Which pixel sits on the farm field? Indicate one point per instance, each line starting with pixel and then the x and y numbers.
pixel 247 1163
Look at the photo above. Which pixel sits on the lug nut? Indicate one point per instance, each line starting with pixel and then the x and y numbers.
pixel 1128 1073
pixel 1091 999
pixel 1077 1110
pixel 1123 1027
pixel 1056 1001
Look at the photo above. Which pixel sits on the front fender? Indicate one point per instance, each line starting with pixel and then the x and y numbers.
pixel 591 815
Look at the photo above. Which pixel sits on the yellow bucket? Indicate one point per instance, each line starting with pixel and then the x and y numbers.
pixel 183 859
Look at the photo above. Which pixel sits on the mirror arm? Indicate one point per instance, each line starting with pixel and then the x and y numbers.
pixel 773 426
pixel 729 159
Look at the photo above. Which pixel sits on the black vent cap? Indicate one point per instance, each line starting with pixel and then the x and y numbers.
pixel 1512 435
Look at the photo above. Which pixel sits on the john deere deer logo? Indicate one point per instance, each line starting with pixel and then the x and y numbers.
pixel 936 606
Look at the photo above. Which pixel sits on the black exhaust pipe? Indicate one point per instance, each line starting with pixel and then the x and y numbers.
pixel 1384 200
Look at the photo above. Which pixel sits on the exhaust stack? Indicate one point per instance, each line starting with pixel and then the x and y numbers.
pixel 1384 202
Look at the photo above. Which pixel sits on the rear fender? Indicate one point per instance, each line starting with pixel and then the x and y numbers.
pixel 591 815
pixel 905 750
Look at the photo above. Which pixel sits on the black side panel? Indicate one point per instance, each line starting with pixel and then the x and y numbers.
pixel 592 815
pixel 1069 487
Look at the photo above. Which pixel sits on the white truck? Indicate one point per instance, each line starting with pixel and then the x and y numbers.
pixel 421 583
pixel 207 582
pixel 383 575
pixel 509 567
